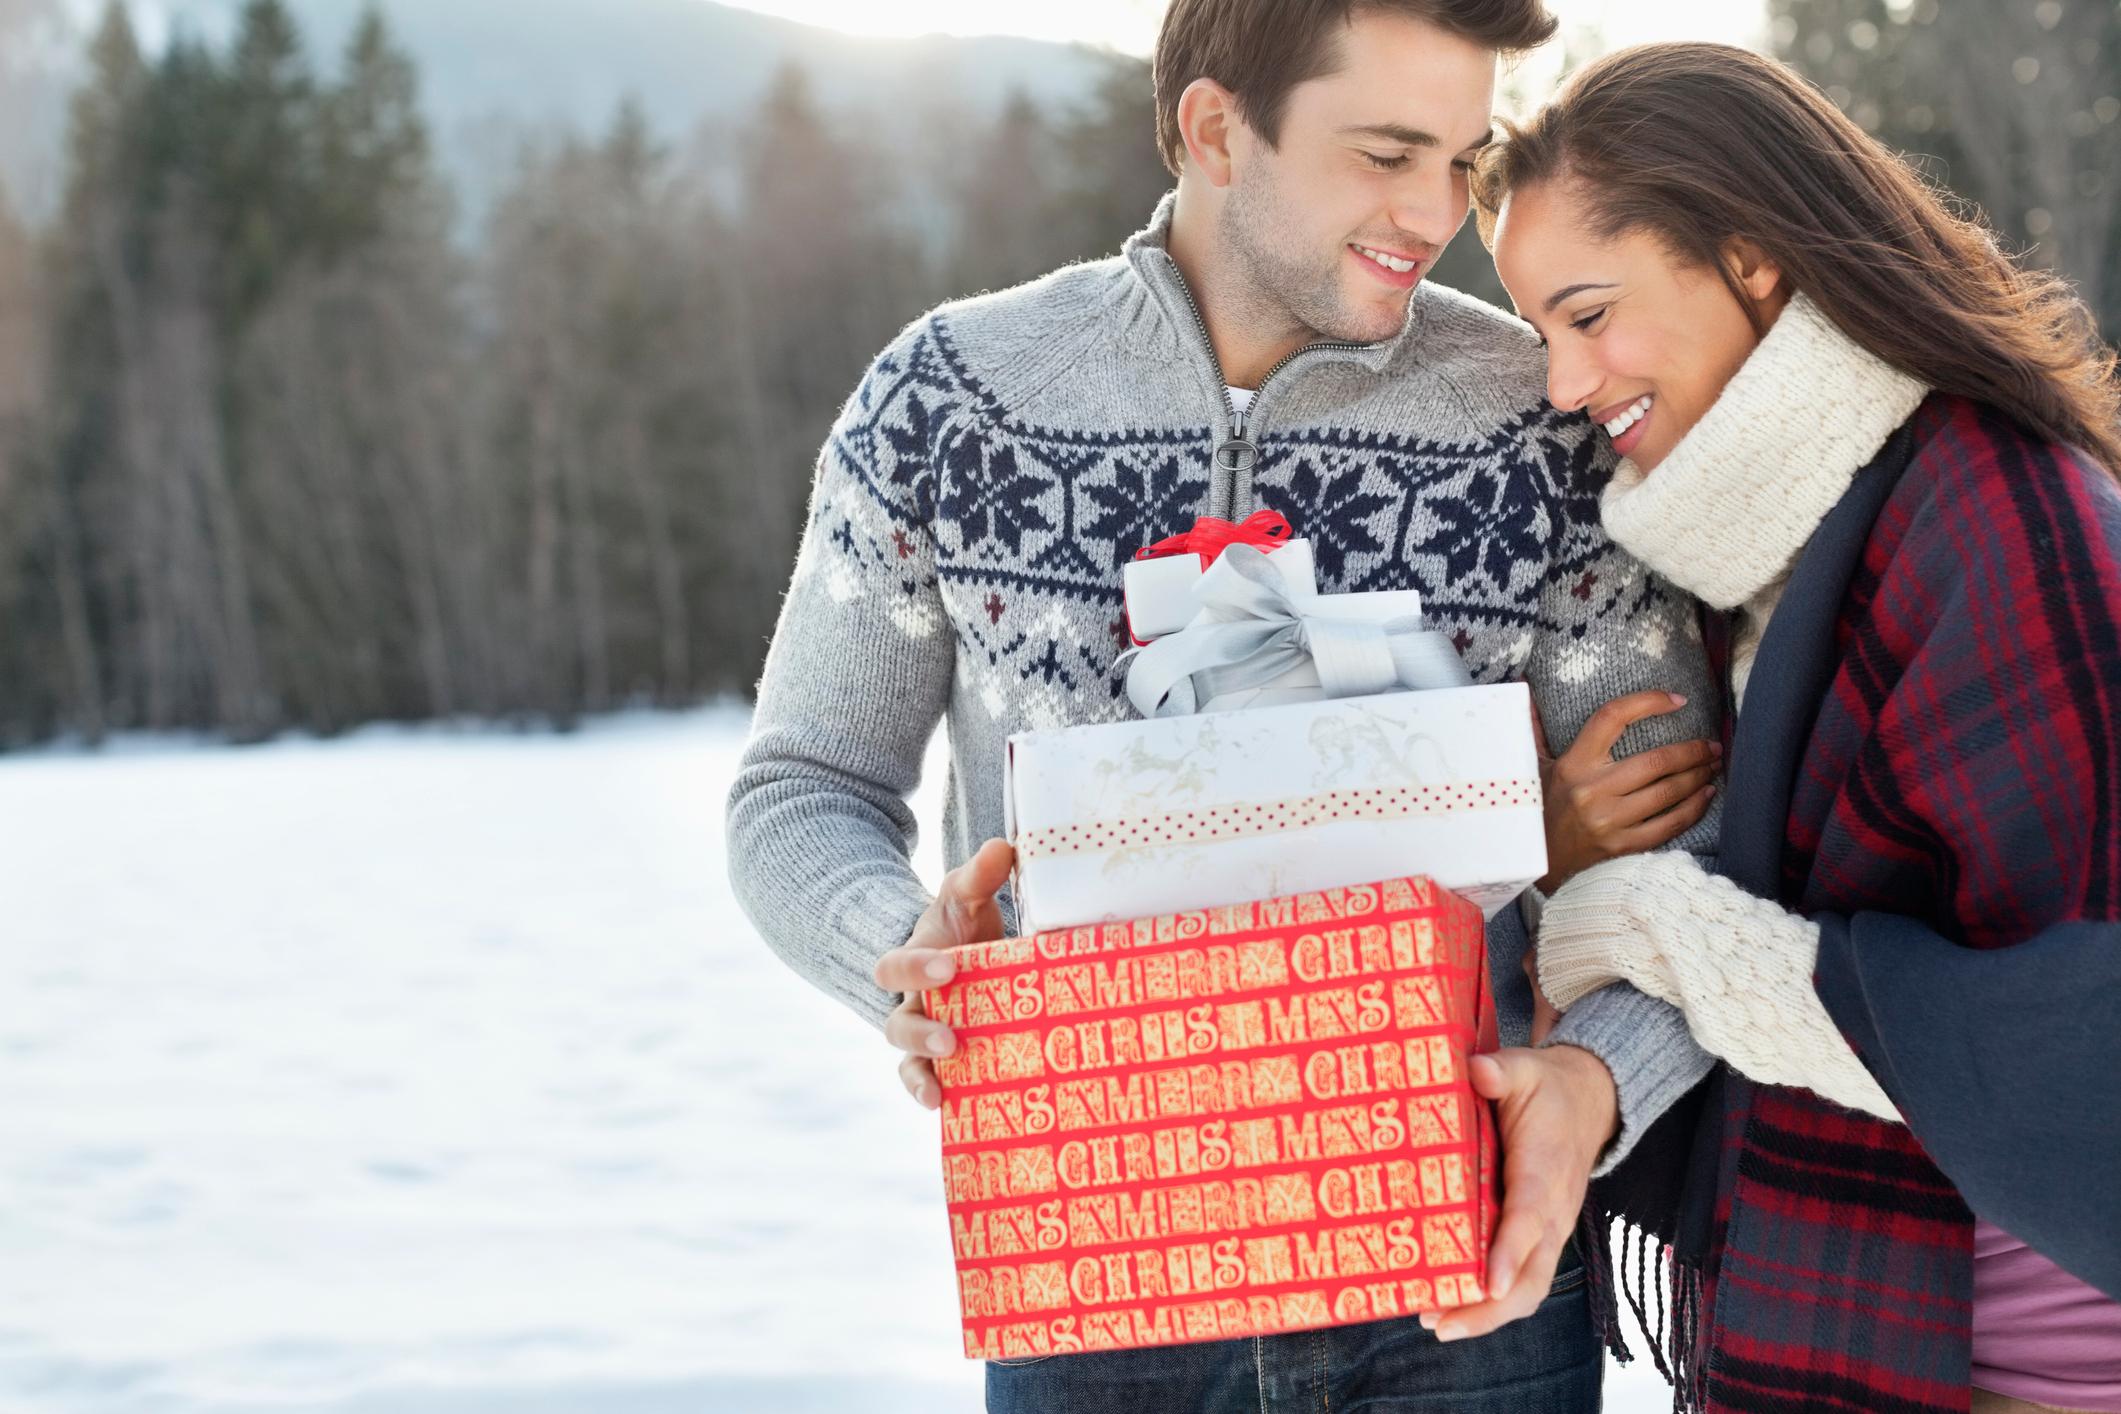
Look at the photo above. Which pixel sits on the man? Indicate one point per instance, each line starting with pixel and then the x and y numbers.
pixel 1267 341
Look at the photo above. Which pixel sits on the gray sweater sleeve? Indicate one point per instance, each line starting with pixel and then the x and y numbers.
pixel 819 829
pixel 1611 627
pixel 1646 1045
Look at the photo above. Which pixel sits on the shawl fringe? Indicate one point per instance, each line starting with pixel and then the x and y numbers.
pixel 1662 1289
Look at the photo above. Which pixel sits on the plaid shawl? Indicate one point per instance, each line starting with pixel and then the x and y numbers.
pixel 1929 765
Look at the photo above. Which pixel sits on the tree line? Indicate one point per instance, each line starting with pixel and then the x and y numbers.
pixel 282 447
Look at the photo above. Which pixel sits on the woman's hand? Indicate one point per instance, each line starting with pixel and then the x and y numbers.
pixel 1599 809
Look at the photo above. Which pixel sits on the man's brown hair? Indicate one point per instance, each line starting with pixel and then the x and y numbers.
pixel 1260 49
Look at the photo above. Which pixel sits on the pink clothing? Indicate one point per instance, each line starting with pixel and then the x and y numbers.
pixel 2039 1333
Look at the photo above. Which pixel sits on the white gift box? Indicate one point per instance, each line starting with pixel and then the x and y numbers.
pixel 1159 592
pixel 1137 819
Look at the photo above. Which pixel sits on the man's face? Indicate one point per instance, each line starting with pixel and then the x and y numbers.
pixel 1339 221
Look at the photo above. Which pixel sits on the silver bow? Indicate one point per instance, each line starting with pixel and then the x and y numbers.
pixel 1251 631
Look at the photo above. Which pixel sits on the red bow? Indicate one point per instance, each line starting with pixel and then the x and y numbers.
pixel 1209 537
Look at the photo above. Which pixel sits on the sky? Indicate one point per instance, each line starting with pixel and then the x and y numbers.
pixel 1130 25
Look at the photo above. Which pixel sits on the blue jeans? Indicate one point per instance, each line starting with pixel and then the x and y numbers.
pixel 1547 1363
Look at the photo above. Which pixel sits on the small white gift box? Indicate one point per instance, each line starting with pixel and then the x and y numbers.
pixel 1158 586
pixel 1160 592
pixel 1252 642
pixel 1139 819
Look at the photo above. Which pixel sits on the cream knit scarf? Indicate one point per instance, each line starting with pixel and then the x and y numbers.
pixel 1725 515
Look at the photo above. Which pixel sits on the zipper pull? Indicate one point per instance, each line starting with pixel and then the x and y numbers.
pixel 1236 455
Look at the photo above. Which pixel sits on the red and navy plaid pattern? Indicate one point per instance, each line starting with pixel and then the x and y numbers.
pixel 1965 770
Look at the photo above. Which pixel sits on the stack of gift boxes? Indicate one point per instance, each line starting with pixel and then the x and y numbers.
pixel 1218 1086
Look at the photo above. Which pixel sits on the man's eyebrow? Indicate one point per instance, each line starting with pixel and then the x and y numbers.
pixel 1410 137
pixel 1561 294
pixel 1393 132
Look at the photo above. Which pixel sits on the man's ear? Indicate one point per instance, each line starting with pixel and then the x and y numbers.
pixel 1756 272
pixel 1208 121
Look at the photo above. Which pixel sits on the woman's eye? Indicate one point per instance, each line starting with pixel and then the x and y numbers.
pixel 1583 325
pixel 1462 165
pixel 1386 164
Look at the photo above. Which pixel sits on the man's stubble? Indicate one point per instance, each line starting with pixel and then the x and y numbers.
pixel 1281 283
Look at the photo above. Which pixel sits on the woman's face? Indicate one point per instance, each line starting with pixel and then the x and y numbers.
pixel 1637 338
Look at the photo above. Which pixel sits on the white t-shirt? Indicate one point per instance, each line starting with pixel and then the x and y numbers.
pixel 1240 398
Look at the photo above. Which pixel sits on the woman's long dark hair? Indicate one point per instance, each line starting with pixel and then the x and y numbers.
pixel 1703 143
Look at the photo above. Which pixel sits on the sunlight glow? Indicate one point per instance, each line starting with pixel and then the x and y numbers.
pixel 1130 25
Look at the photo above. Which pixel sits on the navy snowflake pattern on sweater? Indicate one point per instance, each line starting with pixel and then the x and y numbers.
pixel 1020 529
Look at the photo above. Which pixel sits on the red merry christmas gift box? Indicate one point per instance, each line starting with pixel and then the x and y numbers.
pixel 1220 1123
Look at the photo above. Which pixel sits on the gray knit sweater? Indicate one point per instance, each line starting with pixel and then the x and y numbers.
pixel 1005 456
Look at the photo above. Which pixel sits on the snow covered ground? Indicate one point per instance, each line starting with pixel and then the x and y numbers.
pixel 437 1072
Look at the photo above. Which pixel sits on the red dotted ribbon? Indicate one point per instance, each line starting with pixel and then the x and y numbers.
pixel 1274 817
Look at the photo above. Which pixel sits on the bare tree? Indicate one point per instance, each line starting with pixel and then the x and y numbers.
pixel 365 517
pixel 189 559
pixel 21 382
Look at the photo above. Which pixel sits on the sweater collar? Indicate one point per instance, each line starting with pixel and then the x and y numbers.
pixel 1148 252
pixel 1726 513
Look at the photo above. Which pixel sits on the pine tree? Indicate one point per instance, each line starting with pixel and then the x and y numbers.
pixel 373 157
pixel 101 118
pixel 631 155
pixel 263 168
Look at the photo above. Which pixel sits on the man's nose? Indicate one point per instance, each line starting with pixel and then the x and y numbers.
pixel 1431 206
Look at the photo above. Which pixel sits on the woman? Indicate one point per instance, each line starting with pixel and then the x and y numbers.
pixel 1885 451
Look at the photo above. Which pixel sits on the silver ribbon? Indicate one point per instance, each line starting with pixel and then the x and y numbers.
pixel 1250 631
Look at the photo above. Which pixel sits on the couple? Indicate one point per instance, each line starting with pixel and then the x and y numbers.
pixel 1843 1064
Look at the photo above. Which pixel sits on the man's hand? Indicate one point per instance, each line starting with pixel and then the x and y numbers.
pixel 1556 1109
pixel 964 912
pixel 1599 809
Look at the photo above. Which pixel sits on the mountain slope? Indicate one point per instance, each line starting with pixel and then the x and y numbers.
pixel 493 70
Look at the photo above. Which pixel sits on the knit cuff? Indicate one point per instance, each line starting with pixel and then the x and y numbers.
pixel 876 914
pixel 1645 1044
pixel 1591 933
pixel 1740 966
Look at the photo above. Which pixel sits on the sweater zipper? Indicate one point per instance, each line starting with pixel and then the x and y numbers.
pixel 1238 453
